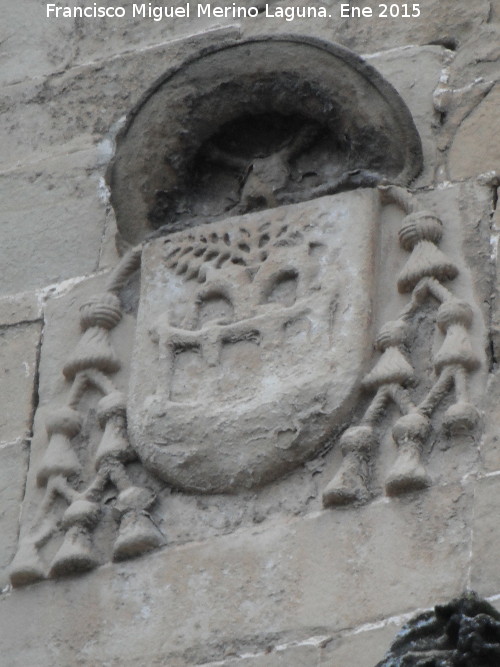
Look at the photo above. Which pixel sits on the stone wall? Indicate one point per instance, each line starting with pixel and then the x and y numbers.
pixel 267 577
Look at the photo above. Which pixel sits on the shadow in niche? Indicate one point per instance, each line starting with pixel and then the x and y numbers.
pixel 255 124
pixel 259 161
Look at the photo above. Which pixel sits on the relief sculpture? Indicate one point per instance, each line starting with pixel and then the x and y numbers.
pixel 251 204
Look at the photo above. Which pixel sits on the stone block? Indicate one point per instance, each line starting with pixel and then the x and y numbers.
pixel 490 442
pixel 414 71
pixel 13 467
pixel 362 648
pixel 485 573
pixel 108 37
pixel 293 656
pixel 74 109
pixel 254 588
pixel 52 221
pixel 62 332
pixel 37 48
pixel 475 149
pixel 18 367
pixel 31 45
pixel 23 307
pixel 440 22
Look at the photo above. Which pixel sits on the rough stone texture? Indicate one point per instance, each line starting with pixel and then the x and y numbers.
pixel 474 149
pixel 425 63
pixel 230 323
pixel 71 110
pixel 18 353
pixel 183 517
pixel 262 586
pixel 13 467
pixel 490 445
pixel 299 656
pixel 23 307
pixel 485 576
pixel 53 219
pixel 442 22
pixel 360 649
pixel 41 49
pixel 364 128
pixel 50 46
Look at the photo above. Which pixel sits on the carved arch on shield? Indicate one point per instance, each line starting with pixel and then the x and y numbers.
pixel 255 124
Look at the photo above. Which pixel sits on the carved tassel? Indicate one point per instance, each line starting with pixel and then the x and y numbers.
pixel 27 567
pixel 408 472
pixel 456 350
pixel 114 444
pixel 137 533
pixel 392 367
pixel 94 350
pixel 59 458
pixel 461 416
pixel 350 482
pixel 420 234
pixel 453 318
pixel 75 553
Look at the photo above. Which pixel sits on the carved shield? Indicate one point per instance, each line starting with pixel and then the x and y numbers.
pixel 250 343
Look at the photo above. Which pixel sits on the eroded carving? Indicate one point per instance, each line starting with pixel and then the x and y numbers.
pixel 239 341
pixel 423 277
pixel 60 472
pixel 243 311
pixel 253 330
pixel 246 126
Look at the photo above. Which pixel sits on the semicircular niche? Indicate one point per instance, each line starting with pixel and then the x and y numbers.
pixel 257 124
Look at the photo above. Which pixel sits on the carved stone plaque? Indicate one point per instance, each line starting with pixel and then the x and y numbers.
pixel 250 341
pixel 256 232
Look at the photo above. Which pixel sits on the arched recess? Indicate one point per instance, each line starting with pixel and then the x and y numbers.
pixel 183 150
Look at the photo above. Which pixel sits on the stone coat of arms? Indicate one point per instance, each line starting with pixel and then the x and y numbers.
pixel 249 186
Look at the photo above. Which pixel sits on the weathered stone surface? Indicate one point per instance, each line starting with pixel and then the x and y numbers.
pixel 109 256
pixel 294 656
pixel 13 468
pixel 208 322
pixel 440 22
pixel 257 574
pixel 18 367
pixel 490 442
pixel 478 54
pixel 23 307
pixel 464 211
pixel 31 45
pixel 183 517
pixel 359 649
pixel 108 37
pixel 52 45
pixel 485 574
pixel 52 221
pixel 62 315
pixel 71 110
pixel 414 72
pixel 297 579
pixel 475 149
pixel 367 134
